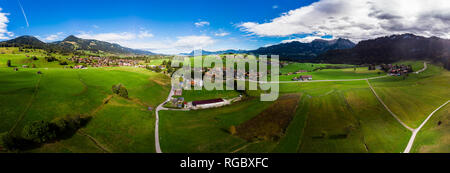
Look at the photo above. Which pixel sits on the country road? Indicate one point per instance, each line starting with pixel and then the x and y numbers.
pixel 408 148
pixel 415 131
pixel 160 107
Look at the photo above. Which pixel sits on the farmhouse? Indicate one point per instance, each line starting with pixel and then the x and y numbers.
pixel 303 78
pixel 205 104
pixel 306 77
pixel 178 92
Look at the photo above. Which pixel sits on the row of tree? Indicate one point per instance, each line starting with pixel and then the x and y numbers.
pixel 40 132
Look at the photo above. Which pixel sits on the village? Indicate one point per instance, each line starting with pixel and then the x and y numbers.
pixel 104 62
pixel 397 70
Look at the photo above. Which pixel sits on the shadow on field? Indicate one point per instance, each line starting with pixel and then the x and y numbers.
pixel 38 133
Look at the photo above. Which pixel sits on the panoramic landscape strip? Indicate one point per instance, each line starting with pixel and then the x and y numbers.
pixel 315 76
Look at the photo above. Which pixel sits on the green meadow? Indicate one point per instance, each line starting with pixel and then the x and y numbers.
pixel 336 74
pixel 412 99
pixel 333 116
pixel 121 125
pixel 434 136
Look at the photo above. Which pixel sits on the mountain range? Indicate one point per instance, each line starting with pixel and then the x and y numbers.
pixel 386 49
pixel 391 49
pixel 298 50
pixel 292 50
pixel 72 43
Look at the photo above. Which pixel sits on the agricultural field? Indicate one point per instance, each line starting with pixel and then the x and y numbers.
pixel 294 67
pixel 27 97
pixel 344 117
pixel 434 136
pixel 206 130
pixel 192 95
pixel 315 117
pixel 413 98
pixel 336 74
pixel 340 117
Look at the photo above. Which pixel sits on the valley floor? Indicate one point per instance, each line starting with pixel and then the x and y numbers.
pixel 324 116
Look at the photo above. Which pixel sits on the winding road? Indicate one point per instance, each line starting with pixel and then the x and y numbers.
pixel 407 149
pixel 415 131
pixel 160 107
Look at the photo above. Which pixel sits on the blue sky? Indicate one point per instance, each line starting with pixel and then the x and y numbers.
pixel 175 26
pixel 164 21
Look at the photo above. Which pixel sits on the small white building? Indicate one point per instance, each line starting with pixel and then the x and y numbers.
pixel 205 104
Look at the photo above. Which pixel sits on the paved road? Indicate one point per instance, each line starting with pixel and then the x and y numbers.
pixel 160 107
pixel 415 131
pixel 424 68
pixel 387 108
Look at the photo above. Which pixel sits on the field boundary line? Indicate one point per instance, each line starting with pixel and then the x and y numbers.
pixel 81 132
pixel 387 108
pixel 413 136
pixel 30 102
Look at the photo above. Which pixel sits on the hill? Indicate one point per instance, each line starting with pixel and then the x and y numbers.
pixel 391 49
pixel 71 44
pixel 297 50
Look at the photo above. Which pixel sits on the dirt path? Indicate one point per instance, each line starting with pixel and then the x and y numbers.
pixel 104 149
pixel 413 136
pixel 30 102
pixel 414 131
pixel 387 108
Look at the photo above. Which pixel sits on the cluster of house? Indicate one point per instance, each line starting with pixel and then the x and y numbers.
pixel 302 78
pixel 211 73
pixel 200 104
pixel 179 102
pixel 297 72
pixel 397 70
pixel 105 61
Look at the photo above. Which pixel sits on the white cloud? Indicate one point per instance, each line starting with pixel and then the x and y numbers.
pixel 96 26
pixel 114 37
pixel 307 39
pixel 361 19
pixel 109 37
pixel 54 37
pixel 193 42
pixel 221 34
pixel 144 34
pixel 4 33
pixel 182 44
pixel 275 6
pixel 201 24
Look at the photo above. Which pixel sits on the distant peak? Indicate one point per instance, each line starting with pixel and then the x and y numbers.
pixel 71 38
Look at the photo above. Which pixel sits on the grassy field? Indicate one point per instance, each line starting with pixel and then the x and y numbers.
pixel 294 67
pixel 325 117
pixel 27 97
pixel 341 117
pixel 25 58
pixel 334 74
pixel 331 117
pixel 416 96
pixel 434 137
pixel 192 95
pixel 206 130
